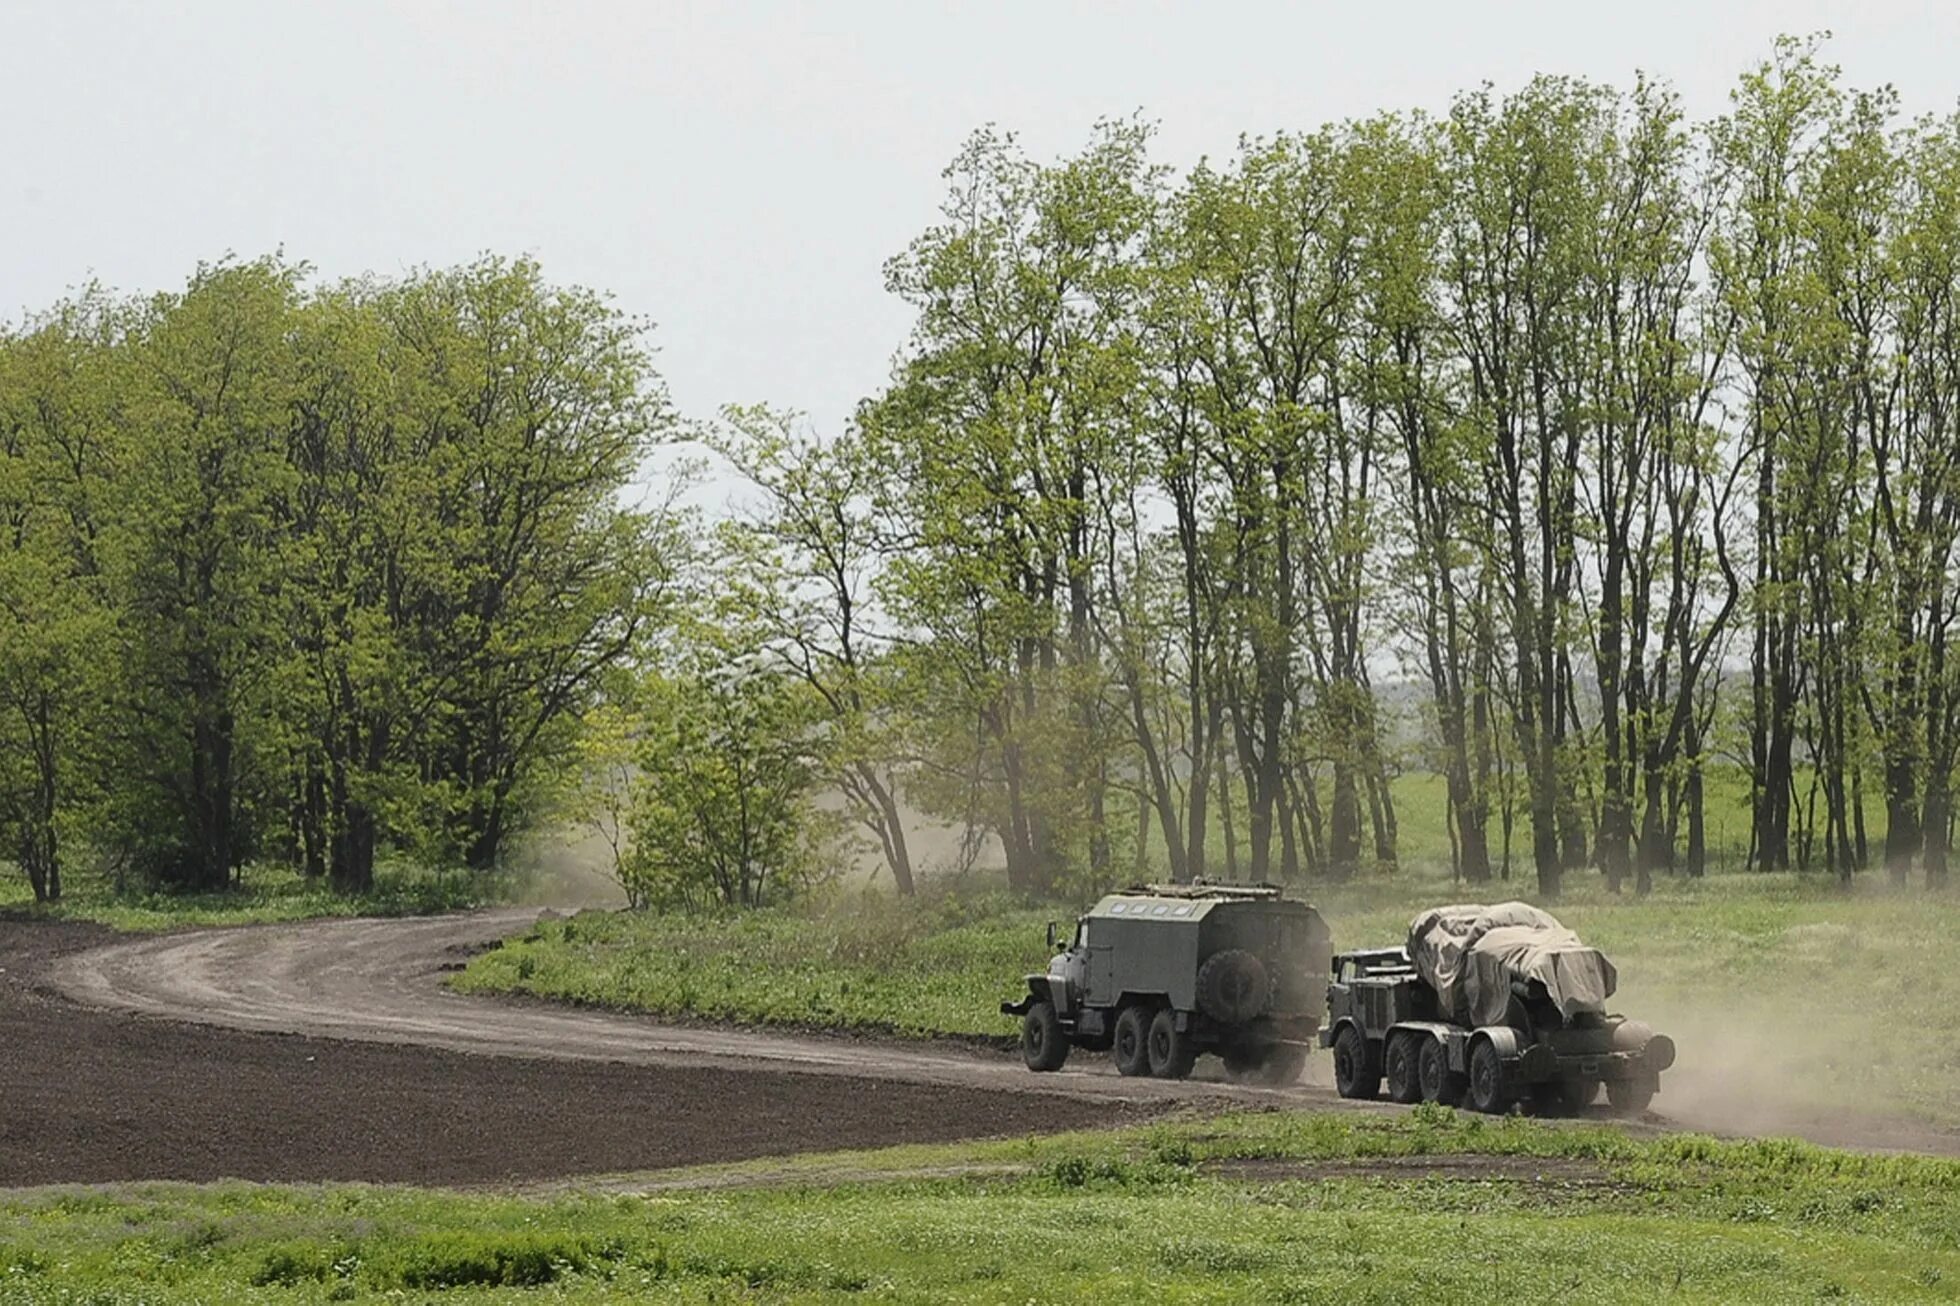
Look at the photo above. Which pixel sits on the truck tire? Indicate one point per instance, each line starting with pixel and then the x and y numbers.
pixel 1629 1097
pixel 1043 1045
pixel 1172 1053
pixel 1131 1047
pixel 1440 1084
pixel 1233 987
pixel 1486 1090
pixel 1403 1068
pixel 1355 1072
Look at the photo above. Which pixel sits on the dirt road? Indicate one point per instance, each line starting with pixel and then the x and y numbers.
pixel 637 1094
pixel 96 1096
pixel 381 981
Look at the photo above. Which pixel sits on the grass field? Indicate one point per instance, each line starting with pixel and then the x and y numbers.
pixel 1783 987
pixel 269 893
pixel 1266 1207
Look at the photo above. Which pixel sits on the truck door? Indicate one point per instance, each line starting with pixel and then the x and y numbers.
pixel 1100 990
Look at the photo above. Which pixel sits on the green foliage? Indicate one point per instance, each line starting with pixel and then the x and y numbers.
pixel 306 572
pixel 927 967
pixel 1258 1207
pixel 265 894
pixel 718 803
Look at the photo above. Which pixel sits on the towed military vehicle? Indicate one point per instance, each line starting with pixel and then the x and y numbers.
pixel 1159 975
pixel 1487 1006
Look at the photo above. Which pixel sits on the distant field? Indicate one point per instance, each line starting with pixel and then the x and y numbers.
pixel 1782 991
pixel 1269 1208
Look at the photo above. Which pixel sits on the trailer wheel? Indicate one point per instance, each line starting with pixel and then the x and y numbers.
pixel 1487 1092
pixel 1043 1045
pixel 1440 1084
pixel 1172 1053
pixel 1630 1097
pixel 1404 1077
pixel 1355 1072
pixel 1131 1048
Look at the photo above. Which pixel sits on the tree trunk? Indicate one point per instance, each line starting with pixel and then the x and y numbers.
pixel 1344 825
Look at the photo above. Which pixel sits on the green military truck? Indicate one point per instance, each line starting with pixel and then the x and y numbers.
pixel 1487 1006
pixel 1159 975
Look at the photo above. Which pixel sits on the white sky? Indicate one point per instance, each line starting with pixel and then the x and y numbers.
pixel 736 172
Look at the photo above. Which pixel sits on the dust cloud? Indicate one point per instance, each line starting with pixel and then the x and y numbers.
pixel 1782 1064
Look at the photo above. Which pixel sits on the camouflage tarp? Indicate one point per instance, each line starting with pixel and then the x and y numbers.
pixel 1470 954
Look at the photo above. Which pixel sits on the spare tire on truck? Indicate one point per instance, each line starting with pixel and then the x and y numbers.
pixel 1233 987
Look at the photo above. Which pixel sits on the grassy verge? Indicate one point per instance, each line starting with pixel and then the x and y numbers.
pixel 1264 1208
pixel 933 968
pixel 268 894
pixel 1788 986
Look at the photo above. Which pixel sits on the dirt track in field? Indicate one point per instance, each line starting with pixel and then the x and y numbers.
pixel 380 981
pixel 331 1050
pixel 96 1096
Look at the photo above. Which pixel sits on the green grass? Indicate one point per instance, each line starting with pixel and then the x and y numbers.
pixel 1159 1213
pixel 269 893
pixel 1783 987
pixel 875 963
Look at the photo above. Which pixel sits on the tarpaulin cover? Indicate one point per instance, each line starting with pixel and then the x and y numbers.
pixel 1470 954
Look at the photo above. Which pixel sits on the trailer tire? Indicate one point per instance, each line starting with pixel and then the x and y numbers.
pixel 1355 1073
pixel 1233 987
pixel 1440 1084
pixel 1043 1045
pixel 1131 1046
pixel 1172 1053
pixel 1403 1069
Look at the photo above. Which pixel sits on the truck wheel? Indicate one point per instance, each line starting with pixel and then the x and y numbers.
pixel 1629 1097
pixel 1440 1084
pixel 1282 1066
pixel 1487 1080
pixel 1172 1053
pixel 1233 987
pixel 1355 1074
pixel 1043 1045
pixel 1404 1076
pixel 1131 1048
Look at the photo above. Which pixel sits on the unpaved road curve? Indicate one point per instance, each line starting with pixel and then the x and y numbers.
pixel 381 981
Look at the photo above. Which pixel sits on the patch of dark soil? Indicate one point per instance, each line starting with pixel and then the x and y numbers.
pixel 88 1097
pixel 1558 1171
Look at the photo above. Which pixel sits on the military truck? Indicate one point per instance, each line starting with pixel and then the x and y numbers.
pixel 1159 975
pixel 1488 1006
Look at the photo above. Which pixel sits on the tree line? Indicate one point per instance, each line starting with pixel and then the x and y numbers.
pixel 306 572
pixel 1582 456
pixel 1629 441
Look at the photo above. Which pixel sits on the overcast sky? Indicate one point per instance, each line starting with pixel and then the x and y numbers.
pixel 736 172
